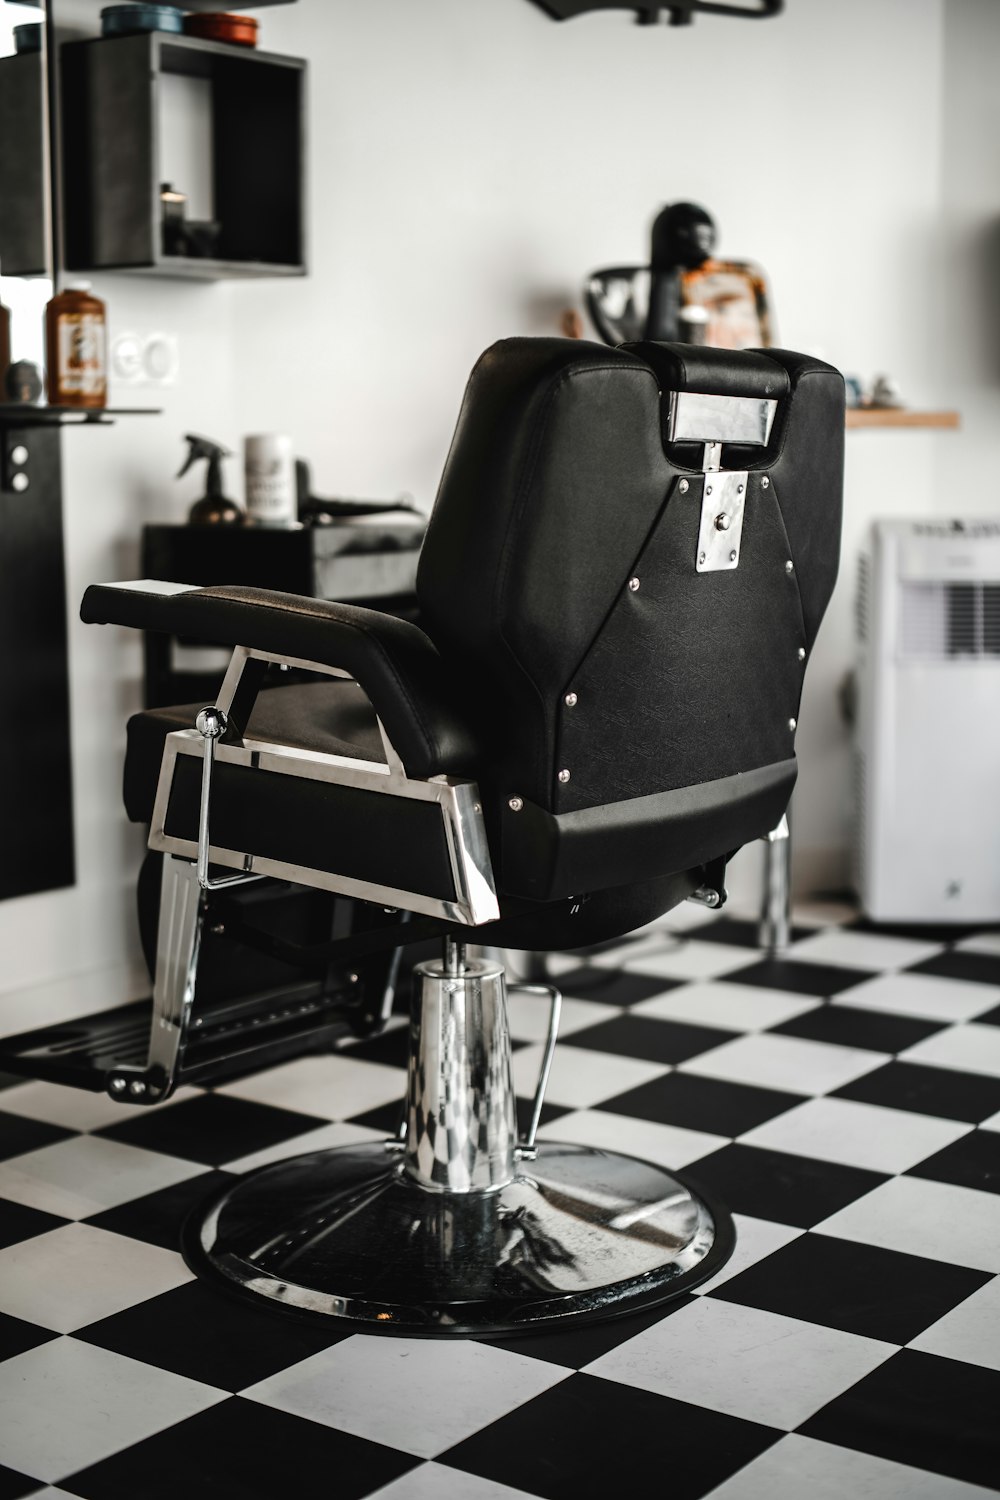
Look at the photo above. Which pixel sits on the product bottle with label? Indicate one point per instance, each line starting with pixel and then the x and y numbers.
pixel 76 345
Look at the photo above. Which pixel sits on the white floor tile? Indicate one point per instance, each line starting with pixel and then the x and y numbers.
pixel 858 1135
pixel 529 1016
pixel 986 942
pixel 581 1077
pixel 751 1364
pixel 419 1395
pixel 993 1123
pixel 970 1048
pixel 817 913
pixel 755 1240
pixel 326 1138
pixel 438 1482
pixel 785 1062
pixel 924 995
pixel 687 917
pixel 77 1109
pixel 691 959
pixel 971 1331
pixel 332 1086
pixel 68 1405
pixel 920 1217
pixel 798 1467
pixel 863 950
pixel 82 1176
pixel 732 1007
pixel 667 1145
pixel 76 1274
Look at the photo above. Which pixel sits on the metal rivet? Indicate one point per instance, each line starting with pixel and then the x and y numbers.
pixel 564 776
pixel 708 489
pixel 791 725
pixel 732 557
pixel 802 653
pixel 570 700
pixel 739 489
pixel 19 483
pixel 764 482
pixel 19 454
pixel 701 557
pixel 633 584
pixel 722 522
pixel 118 1085
pixel 789 566
pixel 137 1087
pixel 515 804
pixel 683 486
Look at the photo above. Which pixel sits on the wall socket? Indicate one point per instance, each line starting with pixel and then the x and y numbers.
pixel 145 359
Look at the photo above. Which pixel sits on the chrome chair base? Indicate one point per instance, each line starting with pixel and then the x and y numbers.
pixel 576 1234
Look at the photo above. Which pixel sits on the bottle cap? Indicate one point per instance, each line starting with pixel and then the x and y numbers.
pixel 80 286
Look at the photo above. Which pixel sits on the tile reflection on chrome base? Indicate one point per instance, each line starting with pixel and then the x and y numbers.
pixel 578 1233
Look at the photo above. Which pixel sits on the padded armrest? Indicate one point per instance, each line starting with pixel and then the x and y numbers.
pixel 392 660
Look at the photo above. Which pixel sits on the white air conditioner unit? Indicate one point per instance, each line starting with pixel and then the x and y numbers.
pixel 927 730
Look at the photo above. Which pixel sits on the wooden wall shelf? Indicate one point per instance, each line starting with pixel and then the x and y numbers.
pixel 888 416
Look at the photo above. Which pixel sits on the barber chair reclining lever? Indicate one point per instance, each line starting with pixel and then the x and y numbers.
pixel 628 561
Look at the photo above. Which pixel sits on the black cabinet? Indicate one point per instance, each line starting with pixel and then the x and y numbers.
pixel 36 801
pixel 113 160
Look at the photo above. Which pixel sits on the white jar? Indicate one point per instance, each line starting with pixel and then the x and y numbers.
pixel 270 479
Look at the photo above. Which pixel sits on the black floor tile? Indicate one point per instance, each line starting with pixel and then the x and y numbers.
pixel 774 1185
pixel 880 1294
pixel 386 1117
pixel 611 986
pixel 821 980
pixel 390 1047
pixel 576 1347
pixel 197 1331
pixel 213 1128
pixel 989 1017
pixel 702 1103
pixel 18 1134
pixel 157 1218
pixel 919 1409
pixel 927 1091
pixel 589 1437
pixel 921 932
pixel 12 1484
pixel 549 1113
pixel 649 1039
pixel 739 933
pixel 850 1026
pixel 16 1336
pixel 973 1162
pixel 981 968
pixel 19 1223
pixel 240 1450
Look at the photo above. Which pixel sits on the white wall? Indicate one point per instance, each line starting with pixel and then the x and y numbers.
pixel 471 160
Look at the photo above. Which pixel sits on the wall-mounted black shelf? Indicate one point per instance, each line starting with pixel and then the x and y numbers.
pixel 17 414
pixel 112 156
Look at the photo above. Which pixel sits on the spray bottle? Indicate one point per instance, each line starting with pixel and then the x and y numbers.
pixel 214 508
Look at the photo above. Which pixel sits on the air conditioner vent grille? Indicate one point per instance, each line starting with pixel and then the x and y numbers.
pixel 941 621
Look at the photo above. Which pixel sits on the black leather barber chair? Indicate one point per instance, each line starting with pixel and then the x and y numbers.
pixel 626 567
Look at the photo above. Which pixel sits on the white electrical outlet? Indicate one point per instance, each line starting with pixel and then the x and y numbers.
pixel 145 358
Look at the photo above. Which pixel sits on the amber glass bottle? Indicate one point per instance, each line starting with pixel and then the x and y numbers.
pixel 76 345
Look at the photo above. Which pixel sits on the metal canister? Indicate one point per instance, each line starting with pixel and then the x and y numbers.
pixel 127 20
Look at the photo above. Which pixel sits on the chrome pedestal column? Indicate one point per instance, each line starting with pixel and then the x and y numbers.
pixel 454 1228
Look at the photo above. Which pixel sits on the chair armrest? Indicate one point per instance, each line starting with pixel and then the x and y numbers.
pixel 393 662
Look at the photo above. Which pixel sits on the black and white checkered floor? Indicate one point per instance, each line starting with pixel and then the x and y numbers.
pixel 844 1101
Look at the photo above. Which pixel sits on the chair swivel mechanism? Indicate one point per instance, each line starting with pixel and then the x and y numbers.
pixel 626 567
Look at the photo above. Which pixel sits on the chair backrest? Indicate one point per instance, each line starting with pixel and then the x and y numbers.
pixel 560 576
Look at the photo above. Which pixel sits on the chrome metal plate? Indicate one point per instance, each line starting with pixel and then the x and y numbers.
pixel 720 532
pixel 345 1233
pixel 697 418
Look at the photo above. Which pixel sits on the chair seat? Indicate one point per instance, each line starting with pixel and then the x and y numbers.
pixel 333 717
